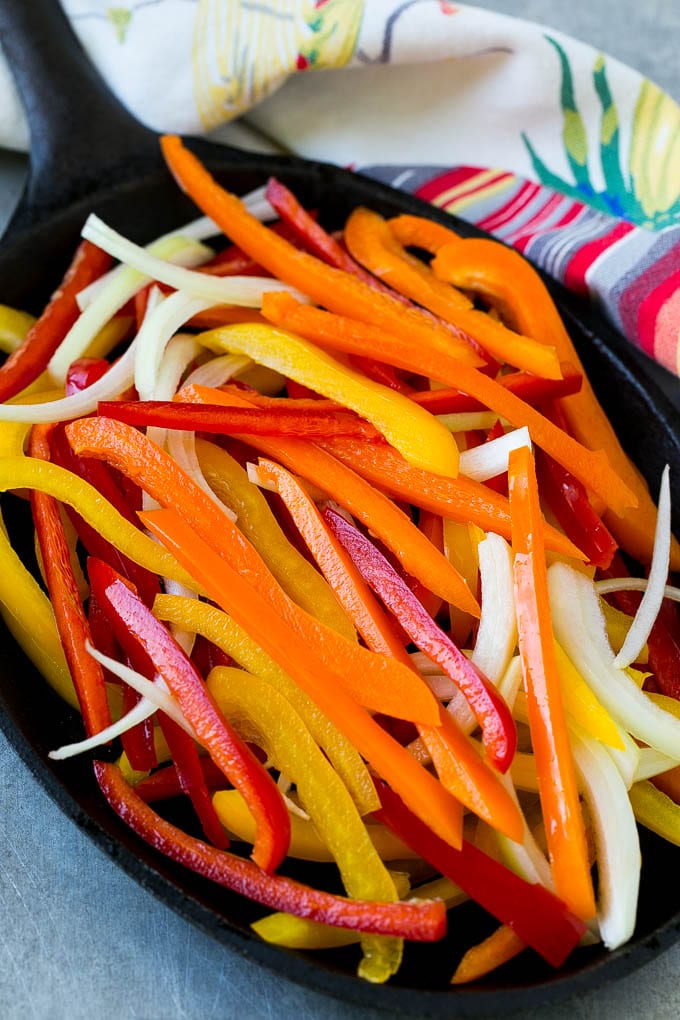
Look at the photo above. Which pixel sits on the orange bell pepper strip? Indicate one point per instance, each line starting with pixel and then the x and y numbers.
pixel 380 683
pixel 558 789
pixel 420 232
pixel 423 921
pixel 74 630
pixel 252 611
pixel 331 287
pixel 502 275
pixel 460 499
pixel 416 553
pixel 337 567
pixel 346 334
pixel 500 947
pixel 372 243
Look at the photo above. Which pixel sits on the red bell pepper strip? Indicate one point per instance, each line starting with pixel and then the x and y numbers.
pixel 533 389
pixel 192 781
pixel 138 741
pixel 69 614
pixel 32 357
pixel 312 423
pixel 494 716
pixel 150 645
pixel 423 921
pixel 82 372
pixel 539 918
pixel 164 783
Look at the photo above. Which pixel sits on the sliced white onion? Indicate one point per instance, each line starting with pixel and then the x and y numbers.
pixel 612 584
pixel 182 448
pixel 157 330
pixel 155 691
pixel 580 628
pixel 118 378
pixel 137 714
pixel 497 632
pixel 627 760
pixel 616 839
pixel 650 604
pixel 526 858
pixel 491 459
pixel 217 371
pixel 226 290
pixel 653 763
pixel 123 285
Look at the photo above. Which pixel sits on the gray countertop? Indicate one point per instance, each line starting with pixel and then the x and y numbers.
pixel 79 939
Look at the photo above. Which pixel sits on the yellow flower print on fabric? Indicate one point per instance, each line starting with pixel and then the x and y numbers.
pixel 243 51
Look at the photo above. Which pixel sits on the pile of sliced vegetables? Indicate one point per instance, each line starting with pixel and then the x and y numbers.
pixel 330 533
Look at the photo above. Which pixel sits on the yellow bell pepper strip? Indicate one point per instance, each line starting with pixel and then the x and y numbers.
pixel 311 423
pixel 229 481
pixel 380 683
pixel 255 614
pixel 28 615
pixel 32 473
pixel 423 921
pixel 334 289
pixel 300 933
pixel 32 357
pixel 417 434
pixel 14 325
pixel 153 651
pixel 223 631
pixel 565 830
pixel 581 704
pixel 493 715
pixel 457 499
pixel 590 467
pixel 305 842
pixel 656 811
pixel 334 562
pixel 88 677
pixel 537 916
pixel 502 275
pixel 372 243
pixel 418 556
pixel 264 715
pixel 501 946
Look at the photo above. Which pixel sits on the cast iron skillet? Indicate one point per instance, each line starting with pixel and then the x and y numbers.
pixel 87 155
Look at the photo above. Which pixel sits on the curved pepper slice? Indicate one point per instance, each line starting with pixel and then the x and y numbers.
pixel 498 728
pixel 423 922
pixel 416 433
pixel 267 717
pixel 149 644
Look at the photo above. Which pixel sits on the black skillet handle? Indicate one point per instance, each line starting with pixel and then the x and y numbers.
pixel 82 139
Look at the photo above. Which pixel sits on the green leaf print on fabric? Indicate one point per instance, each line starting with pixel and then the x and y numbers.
pixel 645 188
pixel 120 18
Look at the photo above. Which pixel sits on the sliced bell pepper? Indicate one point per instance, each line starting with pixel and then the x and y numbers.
pixel 420 232
pixel 373 244
pixel 531 388
pixel 265 716
pixel 339 291
pixel 417 434
pixel 500 947
pixel 656 811
pixel 418 556
pixel 218 627
pixel 498 728
pixel 565 829
pixel 592 467
pixel 510 281
pixel 213 418
pixel 298 578
pixel 69 613
pixel 255 614
pixel 424 921
pixel 30 359
pixel 164 784
pixel 536 916
pixel 150 646
pixel 457 499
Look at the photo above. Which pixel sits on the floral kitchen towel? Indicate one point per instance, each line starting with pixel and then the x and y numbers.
pixel 559 150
